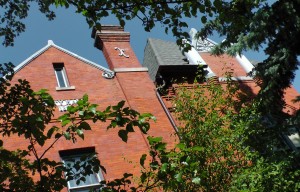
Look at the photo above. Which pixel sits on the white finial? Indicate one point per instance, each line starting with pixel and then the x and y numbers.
pixel 50 42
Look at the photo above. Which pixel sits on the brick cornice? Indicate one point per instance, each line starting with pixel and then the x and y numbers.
pixel 110 37
pixel 109 33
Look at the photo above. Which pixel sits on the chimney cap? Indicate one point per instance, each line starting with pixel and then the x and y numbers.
pixel 106 29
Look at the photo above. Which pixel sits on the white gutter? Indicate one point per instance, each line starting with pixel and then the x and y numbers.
pixel 245 63
pixel 194 58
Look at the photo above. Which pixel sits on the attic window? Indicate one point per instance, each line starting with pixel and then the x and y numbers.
pixel 61 77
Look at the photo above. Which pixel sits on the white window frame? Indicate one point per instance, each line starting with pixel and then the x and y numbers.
pixel 64 74
pixel 88 187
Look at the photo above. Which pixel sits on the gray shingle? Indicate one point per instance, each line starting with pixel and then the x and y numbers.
pixel 162 53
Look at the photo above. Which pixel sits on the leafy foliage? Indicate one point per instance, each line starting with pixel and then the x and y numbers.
pixel 246 158
pixel 28 114
pixel 217 150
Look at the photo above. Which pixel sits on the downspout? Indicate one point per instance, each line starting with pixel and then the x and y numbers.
pixel 168 113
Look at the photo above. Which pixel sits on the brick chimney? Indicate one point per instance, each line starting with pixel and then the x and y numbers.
pixel 115 44
pixel 136 85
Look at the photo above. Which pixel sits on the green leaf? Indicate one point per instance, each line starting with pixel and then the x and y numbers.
pixel 143 177
pixel 92 108
pixel 178 177
pixel 197 148
pixel 45 168
pixel 63 117
pixel 122 23
pixel 129 127
pixel 84 125
pixel 67 135
pixel 153 140
pixel 196 180
pixel 81 113
pixel 84 12
pixel 51 131
pixel 160 146
pixel 39 119
pixel 203 19
pixel 167 21
pixel 164 167
pixel 126 175
pixel 80 133
pixel 57 135
pixel 145 128
pixel 85 98
pixel 65 122
pixel 181 146
pixel 142 160
pixel 121 104
pixel 123 134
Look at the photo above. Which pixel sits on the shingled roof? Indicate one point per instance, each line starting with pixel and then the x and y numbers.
pixel 162 53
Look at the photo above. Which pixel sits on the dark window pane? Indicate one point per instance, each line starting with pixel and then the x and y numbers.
pixel 60 77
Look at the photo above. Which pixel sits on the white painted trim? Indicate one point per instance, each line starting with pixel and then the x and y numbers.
pixel 207 43
pixel 194 58
pixel 64 76
pixel 132 69
pixel 32 57
pixel 65 88
pixel 239 78
pixel 244 62
pixel 51 44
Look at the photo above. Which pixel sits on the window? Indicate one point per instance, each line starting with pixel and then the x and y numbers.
pixel 61 77
pixel 92 181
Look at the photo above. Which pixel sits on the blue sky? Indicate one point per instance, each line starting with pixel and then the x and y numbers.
pixel 70 31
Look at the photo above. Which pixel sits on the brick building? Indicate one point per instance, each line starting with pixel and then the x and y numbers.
pixel 67 77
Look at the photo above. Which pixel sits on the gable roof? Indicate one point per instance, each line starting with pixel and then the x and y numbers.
pixel 51 44
pixel 159 53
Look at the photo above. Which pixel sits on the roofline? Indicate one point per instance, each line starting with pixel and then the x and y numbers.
pixel 51 44
pixel 212 41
